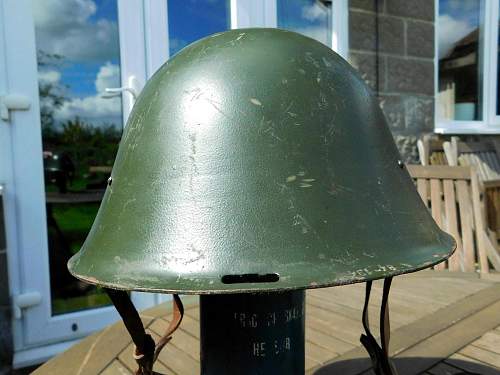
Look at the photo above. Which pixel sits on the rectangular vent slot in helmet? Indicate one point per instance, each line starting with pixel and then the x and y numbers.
pixel 250 278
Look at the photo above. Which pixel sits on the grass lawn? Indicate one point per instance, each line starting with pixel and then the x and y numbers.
pixel 75 220
pixel 96 298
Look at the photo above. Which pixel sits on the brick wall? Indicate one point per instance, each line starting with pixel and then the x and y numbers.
pixel 392 44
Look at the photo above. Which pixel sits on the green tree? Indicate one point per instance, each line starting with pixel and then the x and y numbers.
pixel 52 94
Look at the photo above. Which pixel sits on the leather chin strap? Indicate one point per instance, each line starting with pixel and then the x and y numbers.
pixel 382 365
pixel 146 351
pixel 379 354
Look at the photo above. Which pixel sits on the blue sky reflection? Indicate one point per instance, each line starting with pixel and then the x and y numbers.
pixel 190 20
pixel 78 57
pixel 308 17
pixel 457 19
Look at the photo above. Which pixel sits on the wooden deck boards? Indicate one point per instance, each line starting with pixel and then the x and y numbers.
pixel 441 322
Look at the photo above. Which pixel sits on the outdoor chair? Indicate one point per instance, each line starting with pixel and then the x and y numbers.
pixel 485 157
pixel 482 155
pixel 452 194
pixel 430 151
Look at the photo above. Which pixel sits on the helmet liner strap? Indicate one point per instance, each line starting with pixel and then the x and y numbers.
pixel 146 351
pixel 178 310
pixel 379 354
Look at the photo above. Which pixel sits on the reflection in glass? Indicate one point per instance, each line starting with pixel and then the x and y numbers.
pixel 309 17
pixel 190 20
pixel 498 71
pixel 78 57
pixel 460 51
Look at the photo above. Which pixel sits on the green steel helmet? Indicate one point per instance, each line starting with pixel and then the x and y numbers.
pixel 257 160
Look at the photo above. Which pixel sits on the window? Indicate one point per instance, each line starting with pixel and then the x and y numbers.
pixel 323 20
pixel 467 70
pixel 191 20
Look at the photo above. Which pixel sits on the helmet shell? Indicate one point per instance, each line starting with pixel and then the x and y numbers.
pixel 257 160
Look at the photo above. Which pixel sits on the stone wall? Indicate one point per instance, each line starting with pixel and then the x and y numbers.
pixel 392 45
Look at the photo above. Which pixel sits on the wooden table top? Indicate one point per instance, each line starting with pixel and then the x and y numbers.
pixel 441 323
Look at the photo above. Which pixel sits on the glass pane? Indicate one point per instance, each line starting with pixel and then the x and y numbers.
pixel 190 20
pixel 498 71
pixel 78 57
pixel 309 17
pixel 460 51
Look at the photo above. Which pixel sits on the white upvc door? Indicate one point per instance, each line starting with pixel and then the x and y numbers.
pixel 42 323
pixel 58 56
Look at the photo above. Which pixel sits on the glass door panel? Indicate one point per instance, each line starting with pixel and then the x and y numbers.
pixel 309 17
pixel 78 57
pixel 191 20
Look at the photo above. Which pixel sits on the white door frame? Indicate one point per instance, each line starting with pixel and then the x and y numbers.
pixel 340 27
pixel 38 334
pixel 253 13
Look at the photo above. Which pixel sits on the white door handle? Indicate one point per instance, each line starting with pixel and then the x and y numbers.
pixel 13 102
pixel 24 301
pixel 134 88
